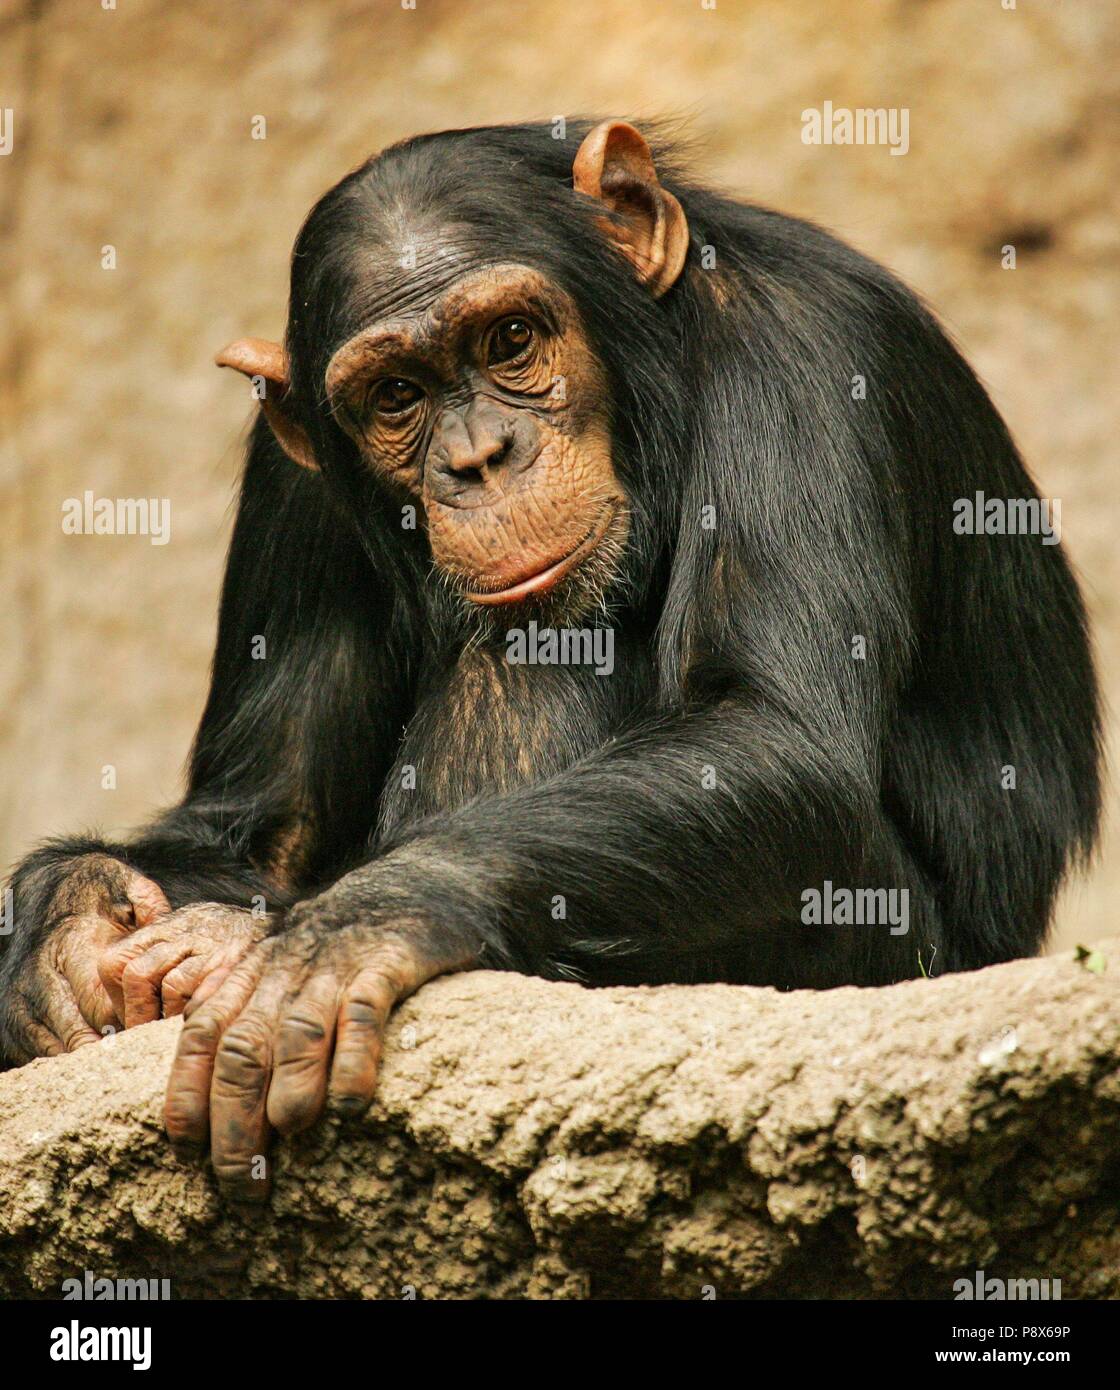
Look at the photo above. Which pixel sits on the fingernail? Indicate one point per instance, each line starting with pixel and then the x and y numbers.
pixel 349 1105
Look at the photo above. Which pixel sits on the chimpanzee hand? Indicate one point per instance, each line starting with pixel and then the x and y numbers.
pixel 54 1000
pixel 155 970
pixel 298 1022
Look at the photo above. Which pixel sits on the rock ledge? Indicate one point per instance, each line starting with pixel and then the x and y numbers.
pixel 543 1140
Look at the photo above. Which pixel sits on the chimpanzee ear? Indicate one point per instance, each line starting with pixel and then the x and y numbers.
pixel 614 165
pixel 266 365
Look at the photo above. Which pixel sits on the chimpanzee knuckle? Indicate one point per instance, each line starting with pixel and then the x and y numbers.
pixel 244 1055
pixel 136 973
pixel 299 1031
pixel 360 1011
pixel 176 988
pixel 392 978
pixel 300 1074
pixel 268 955
pixel 256 965
pixel 298 916
pixel 77 1035
pixel 390 974
pixel 111 967
pixel 201 1035
pixel 368 1006
pixel 172 999
pixel 303 945
pixel 305 929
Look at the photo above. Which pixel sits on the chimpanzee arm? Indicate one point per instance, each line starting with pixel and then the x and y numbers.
pixel 838 680
pixel 277 787
pixel 630 866
pixel 645 856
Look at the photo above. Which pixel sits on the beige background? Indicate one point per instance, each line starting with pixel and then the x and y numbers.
pixel 132 129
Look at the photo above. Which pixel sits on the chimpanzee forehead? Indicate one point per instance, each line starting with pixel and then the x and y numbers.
pixel 408 275
pixel 399 265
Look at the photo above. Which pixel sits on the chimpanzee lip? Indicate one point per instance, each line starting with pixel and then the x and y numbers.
pixel 551 575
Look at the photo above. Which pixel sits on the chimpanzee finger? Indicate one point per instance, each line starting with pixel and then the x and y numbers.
pixel 239 1128
pixel 302 1056
pixel 215 971
pixel 148 900
pixel 59 1015
pixel 210 985
pixel 186 1112
pixel 26 1036
pixel 143 980
pixel 131 973
pixel 362 1014
pixel 42 1042
pixel 137 902
pixel 182 984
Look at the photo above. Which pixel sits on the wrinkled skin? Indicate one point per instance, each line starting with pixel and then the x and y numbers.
pixel 154 971
pixel 115 954
pixel 506 445
pixel 59 1002
pixel 297 1025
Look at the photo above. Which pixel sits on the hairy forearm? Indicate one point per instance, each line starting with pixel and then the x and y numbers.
pixel 638 849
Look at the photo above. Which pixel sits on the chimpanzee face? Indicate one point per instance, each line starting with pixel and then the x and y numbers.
pixel 489 406
pixel 473 386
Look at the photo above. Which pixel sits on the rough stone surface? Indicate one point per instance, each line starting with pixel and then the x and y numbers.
pixel 542 1140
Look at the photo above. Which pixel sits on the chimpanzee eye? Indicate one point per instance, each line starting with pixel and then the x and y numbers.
pixel 393 396
pixel 508 340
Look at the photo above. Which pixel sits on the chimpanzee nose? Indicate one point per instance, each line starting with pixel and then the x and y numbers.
pixel 466 453
pixel 467 457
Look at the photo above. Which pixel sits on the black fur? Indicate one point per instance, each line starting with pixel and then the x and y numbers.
pixel 833 518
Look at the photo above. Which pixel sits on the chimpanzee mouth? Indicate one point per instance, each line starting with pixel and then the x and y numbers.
pixel 551 575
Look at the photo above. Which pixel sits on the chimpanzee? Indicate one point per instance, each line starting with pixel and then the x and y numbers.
pixel 522 394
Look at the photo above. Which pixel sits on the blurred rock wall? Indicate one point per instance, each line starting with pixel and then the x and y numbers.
pixel 133 130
